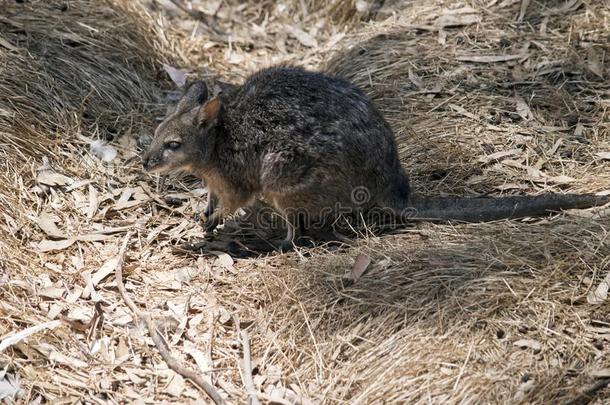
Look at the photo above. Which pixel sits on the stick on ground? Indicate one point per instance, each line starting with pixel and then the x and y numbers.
pixel 246 372
pixel 154 333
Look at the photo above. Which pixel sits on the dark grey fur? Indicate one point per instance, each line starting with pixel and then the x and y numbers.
pixel 308 143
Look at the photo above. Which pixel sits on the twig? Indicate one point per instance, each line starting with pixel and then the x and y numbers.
pixel 587 395
pixel 246 367
pixel 524 5
pixel 156 336
pixel 457 381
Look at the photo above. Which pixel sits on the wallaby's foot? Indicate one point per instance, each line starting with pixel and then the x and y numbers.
pixel 212 223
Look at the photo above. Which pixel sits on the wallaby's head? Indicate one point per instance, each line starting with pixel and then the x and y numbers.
pixel 179 140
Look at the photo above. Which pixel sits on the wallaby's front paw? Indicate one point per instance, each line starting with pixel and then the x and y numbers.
pixel 210 225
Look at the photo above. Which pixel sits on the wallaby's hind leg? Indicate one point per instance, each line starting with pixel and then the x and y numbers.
pixel 300 222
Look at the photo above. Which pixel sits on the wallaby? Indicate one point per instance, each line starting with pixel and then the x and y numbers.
pixel 314 146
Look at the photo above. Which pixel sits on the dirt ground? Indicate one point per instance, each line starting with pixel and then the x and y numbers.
pixel 486 97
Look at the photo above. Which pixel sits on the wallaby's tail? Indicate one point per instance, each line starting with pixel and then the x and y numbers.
pixel 490 209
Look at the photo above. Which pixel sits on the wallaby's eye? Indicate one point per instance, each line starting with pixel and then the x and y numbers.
pixel 173 145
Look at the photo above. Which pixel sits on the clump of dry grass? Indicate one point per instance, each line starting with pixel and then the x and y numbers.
pixel 493 313
pixel 67 68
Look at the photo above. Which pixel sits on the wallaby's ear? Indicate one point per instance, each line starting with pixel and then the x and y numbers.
pixel 209 111
pixel 195 95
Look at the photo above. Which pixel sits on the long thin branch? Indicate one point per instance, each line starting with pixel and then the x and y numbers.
pixel 156 336
pixel 247 370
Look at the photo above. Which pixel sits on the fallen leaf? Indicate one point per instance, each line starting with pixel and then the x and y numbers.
pixel 529 343
pixel 449 20
pixel 51 178
pixel 93 237
pixel 360 265
pixel 15 338
pixel 595 62
pixel 286 395
pixel 303 37
pixel 176 385
pixel 561 179
pixel 600 294
pixel 103 151
pixel 203 363
pixel 461 110
pixel 67 360
pixel 415 79
pixel 522 108
pixel 185 274
pixel 51 292
pixel 499 155
pixel 104 271
pixel 50 245
pixel 9 386
pixel 223 259
pixel 178 76
pixel 93 202
pixel 78 184
pixel 46 223
pixel 124 200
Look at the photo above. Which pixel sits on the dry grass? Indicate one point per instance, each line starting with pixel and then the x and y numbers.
pixel 487 313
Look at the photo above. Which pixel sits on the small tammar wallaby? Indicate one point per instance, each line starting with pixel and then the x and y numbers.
pixel 313 146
